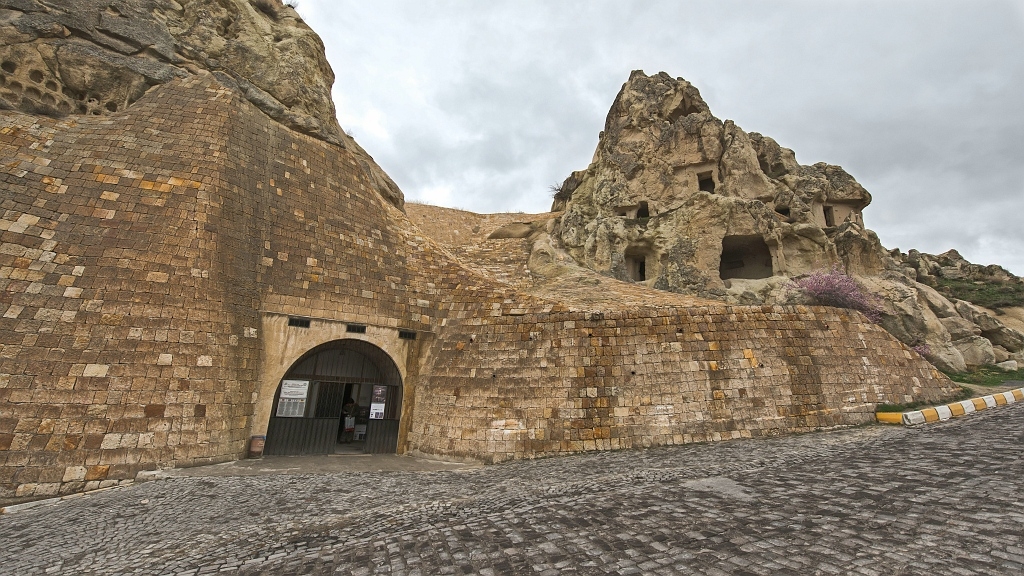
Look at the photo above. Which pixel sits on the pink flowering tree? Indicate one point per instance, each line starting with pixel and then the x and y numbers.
pixel 835 288
pixel 922 349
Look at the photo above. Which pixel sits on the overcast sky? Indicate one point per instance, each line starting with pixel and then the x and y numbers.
pixel 484 105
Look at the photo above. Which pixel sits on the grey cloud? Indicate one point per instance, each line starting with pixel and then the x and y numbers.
pixel 920 101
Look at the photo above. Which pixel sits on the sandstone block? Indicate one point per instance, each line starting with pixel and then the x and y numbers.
pixel 111 441
pixel 96 472
pixel 26 489
pixel 938 303
pixel 47 489
pixel 74 473
pixel 96 370
pixel 1008 338
pixel 985 321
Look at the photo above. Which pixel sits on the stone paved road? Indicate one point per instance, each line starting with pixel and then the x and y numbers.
pixel 940 499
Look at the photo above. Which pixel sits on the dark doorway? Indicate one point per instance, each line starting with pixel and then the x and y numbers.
pixel 830 215
pixel 643 211
pixel 637 266
pixel 745 257
pixel 636 260
pixel 343 380
pixel 706 182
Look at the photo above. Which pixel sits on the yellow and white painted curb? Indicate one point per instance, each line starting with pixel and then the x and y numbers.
pixel 948 411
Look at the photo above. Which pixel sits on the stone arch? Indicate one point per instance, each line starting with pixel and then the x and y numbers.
pixel 284 344
pixel 312 401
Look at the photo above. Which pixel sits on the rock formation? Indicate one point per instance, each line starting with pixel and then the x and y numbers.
pixel 54 61
pixel 184 232
pixel 679 200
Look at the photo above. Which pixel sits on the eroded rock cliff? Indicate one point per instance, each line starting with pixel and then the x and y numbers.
pixel 680 200
pixel 97 57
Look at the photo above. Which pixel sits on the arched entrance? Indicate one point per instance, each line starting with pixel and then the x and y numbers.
pixel 342 395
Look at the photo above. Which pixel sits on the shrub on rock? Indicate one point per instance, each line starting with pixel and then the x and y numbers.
pixel 835 288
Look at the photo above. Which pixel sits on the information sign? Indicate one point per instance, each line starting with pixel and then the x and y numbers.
pixel 380 395
pixel 292 401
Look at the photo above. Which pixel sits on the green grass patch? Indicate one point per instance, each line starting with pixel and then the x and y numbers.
pixel 986 376
pixel 963 394
pixel 988 294
pixel 898 407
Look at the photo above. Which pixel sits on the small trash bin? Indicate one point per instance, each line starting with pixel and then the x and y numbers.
pixel 256 444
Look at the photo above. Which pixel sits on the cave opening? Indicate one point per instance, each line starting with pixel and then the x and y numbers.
pixel 830 215
pixel 636 268
pixel 706 182
pixel 636 259
pixel 685 108
pixel 746 257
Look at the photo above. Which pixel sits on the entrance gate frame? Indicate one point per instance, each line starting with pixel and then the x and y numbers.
pixel 325 374
pixel 284 345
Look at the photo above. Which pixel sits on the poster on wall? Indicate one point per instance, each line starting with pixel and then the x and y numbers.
pixel 380 395
pixel 292 401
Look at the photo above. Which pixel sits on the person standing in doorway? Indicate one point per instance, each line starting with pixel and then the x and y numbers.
pixel 348 419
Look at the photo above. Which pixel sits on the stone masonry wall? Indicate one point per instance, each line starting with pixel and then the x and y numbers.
pixel 529 385
pixel 121 339
pixel 139 251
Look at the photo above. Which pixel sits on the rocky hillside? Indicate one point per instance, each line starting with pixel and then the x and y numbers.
pixel 954 277
pixel 680 200
pixel 56 62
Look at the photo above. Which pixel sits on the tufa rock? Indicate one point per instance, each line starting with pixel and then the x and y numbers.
pixel 679 200
pixel 55 62
pixel 977 351
pixel 700 202
pixel 1008 366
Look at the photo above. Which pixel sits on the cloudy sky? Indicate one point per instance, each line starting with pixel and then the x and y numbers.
pixel 484 105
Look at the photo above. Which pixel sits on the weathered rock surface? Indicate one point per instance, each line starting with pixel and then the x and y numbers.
pixel 701 202
pixel 1009 365
pixel 679 200
pixel 976 351
pixel 952 265
pixel 162 266
pixel 959 328
pixel 56 62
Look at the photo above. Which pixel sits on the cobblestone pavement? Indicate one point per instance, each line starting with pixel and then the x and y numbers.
pixel 939 499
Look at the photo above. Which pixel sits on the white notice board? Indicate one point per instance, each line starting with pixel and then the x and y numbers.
pixel 292 402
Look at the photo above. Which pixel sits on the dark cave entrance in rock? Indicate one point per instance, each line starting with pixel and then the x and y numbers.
pixel 706 182
pixel 636 263
pixel 830 215
pixel 685 108
pixel 636 267
pixel 746 257
pixel 642 210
